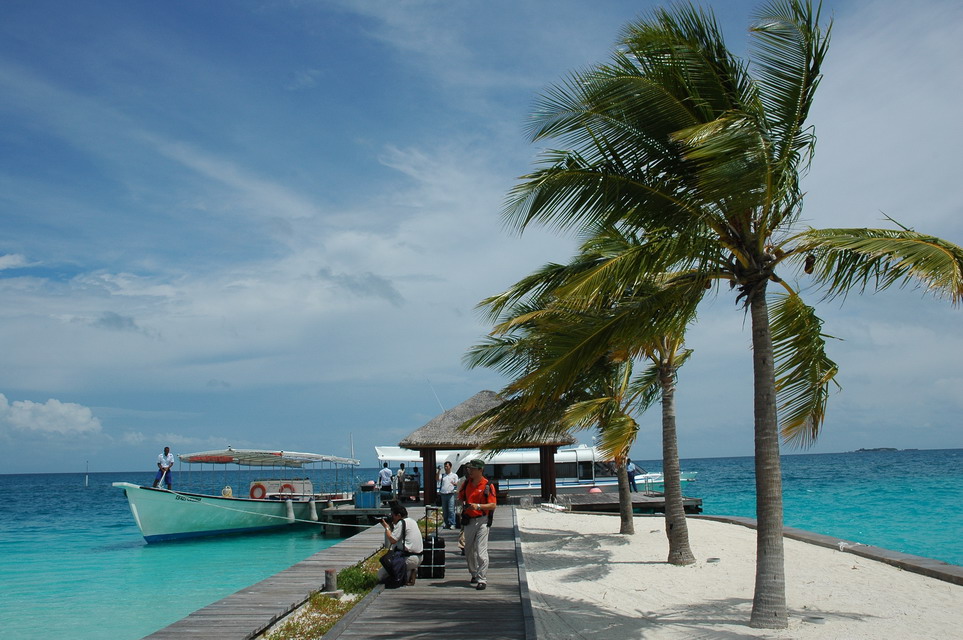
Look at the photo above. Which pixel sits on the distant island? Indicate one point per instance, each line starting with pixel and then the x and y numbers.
pixel 881 449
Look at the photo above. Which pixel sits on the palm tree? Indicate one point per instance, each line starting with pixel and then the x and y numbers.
pixel 602 330
pixel 702 153
pixel 599 396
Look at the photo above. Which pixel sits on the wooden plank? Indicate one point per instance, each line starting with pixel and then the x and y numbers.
pixel 450 607
pixel 433 608
pixel 250 610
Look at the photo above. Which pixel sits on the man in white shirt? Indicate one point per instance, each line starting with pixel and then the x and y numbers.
pixel 165 464
pixel 402 533
pixel 447 488
pixel 384 483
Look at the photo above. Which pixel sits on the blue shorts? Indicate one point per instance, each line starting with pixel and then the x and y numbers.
pixel 167 478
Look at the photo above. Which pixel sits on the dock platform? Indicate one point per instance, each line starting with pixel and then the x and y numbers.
pixel 642 502
pixel 433 608
pixel 248 612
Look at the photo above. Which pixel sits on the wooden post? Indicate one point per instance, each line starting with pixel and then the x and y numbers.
pixel 546 471
pixel 429 459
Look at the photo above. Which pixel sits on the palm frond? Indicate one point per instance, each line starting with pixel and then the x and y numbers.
pixel 617 436
pixel 847 259
pixel 789 46
pixel 803 370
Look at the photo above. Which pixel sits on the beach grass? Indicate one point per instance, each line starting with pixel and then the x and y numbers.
pixel 322 611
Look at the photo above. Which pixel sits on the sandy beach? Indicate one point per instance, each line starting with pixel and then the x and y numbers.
pixel 588 581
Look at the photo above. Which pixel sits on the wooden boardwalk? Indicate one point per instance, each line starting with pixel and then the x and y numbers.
pixel 446 607
pixel 450 607
pixel 246 613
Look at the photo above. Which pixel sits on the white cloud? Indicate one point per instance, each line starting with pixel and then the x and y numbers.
pixel 12 261
pixel 50 417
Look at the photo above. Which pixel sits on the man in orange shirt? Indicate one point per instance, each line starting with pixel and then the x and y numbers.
pixel 478 497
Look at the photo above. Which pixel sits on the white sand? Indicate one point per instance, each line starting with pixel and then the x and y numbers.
pixel 588 581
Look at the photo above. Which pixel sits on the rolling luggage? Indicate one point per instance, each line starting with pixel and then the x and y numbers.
pixel 433 557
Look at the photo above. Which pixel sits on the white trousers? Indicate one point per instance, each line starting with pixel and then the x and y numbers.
pixel 476 548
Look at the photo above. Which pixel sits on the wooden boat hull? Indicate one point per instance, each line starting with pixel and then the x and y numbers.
pixel 172 515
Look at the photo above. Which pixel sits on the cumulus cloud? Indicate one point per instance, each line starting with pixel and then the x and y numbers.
pixel 12 261
pixel 50 417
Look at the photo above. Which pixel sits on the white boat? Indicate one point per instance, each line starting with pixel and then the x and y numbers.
pixel 516 470
pixel 270 502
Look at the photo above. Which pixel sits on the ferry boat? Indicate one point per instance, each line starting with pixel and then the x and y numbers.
pixel 577 469
pixel 271 501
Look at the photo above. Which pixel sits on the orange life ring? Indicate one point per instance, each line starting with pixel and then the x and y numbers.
pixel 286 488
pixel 258 491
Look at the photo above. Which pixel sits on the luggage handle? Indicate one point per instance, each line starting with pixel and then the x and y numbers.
pixel 429 508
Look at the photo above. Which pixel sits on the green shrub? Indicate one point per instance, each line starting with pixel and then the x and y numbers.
pixel 322 612
pixel 356 579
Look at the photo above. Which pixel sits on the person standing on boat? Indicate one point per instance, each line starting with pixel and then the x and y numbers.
pixel 632 470
pixel 165 465
pixel 446 489
pixel 384 483
pixel 478 496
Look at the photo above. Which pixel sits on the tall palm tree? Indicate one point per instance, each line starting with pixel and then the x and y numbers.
pixel 702 153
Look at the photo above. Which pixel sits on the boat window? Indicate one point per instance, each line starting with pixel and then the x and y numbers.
pixel 585 470
pixel 566 470
pixel 510 471
pixel 604 469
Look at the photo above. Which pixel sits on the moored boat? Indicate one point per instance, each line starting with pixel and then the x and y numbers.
pixel 516 470
pixel 268 502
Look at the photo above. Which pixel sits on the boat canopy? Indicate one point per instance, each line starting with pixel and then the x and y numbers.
pixel 262 458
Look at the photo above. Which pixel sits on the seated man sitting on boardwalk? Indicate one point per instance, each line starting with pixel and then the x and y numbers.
pixel 404 535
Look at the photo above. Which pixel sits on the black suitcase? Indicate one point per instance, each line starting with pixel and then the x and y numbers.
pixel 433 558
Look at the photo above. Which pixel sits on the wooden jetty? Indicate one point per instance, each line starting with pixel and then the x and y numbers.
pixel 450 607
pixel 642 502
pixel 246 613
pixel 441 607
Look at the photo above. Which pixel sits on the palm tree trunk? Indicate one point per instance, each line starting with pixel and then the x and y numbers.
pixel 769 599
pixel 625 499
pixel 676 528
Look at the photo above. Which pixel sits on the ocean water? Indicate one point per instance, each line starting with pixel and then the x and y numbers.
pixel 908 501
pixel 74 565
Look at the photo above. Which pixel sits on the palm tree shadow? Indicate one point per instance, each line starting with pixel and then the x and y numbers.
pixel 558 617
pixel 583 558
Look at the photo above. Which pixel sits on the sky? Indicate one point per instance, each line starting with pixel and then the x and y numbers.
pixel 268 224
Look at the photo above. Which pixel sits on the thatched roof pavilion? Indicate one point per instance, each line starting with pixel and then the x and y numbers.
pixel 442 432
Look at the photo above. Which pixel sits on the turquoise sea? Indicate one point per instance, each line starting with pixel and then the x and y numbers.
pixel 73 564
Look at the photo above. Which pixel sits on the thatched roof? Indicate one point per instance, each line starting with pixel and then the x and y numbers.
pixel 442 431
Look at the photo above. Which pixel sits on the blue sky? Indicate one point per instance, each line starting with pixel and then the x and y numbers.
pixel 267 224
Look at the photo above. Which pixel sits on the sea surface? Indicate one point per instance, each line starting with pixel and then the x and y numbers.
pixel 74 565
